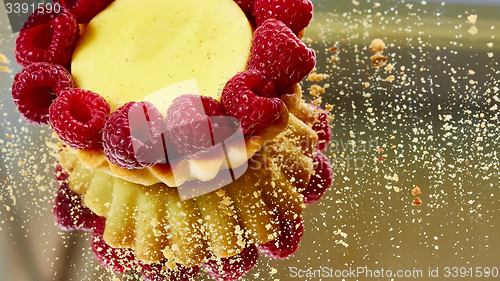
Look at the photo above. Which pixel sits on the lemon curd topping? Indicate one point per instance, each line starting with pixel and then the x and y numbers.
pixel 134 48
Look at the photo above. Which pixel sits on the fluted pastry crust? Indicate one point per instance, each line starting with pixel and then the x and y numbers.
pixel 151 219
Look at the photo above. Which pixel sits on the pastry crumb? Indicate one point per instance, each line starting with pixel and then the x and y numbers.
pixel 377 46
pixel 317 76
pixel 5 69
pixel 473 30
pixel 333 49
pixel 3 58
pixel 415 190
pixel 378 60
pixel 221 192
pixel 472 19
pixel 168 253
pixel 417 202
pixel 227 201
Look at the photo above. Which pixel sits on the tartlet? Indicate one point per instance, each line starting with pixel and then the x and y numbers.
pixel 182 212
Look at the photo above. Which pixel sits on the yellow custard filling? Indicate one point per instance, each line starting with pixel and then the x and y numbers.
pixel 134 48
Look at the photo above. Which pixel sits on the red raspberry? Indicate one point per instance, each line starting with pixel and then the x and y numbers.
pixel 78 116
pixel 84 10
pixel 119 260
pixel 60 173
pixel 280 55
pixel 232 268
pixel 321 179
pixel 195 124
pixel 296 14
pixel 47 37
pixel 322 127
pixel 36 86
pixel 250 97
pixel 247 7
pixel 160 272
pixel 287 242
pixel 68 211
pixel 132 137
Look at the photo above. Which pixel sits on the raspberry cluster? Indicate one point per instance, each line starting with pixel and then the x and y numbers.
pixel 133 138
pixel 36 86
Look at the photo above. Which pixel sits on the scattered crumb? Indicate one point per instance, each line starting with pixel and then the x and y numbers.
pixel 395 177
pixel 378 60
pixel 168 253
pixel 3 58
pixel 334 59
pixel 226 201
pixel 417 202
pixel 389 67
pixel 472 19
pixel 317 77
pixel 473 30
pixel 6 69
pixel 377 46
pixel 154 222
pixel 415 190
pixel 333 49
pixel 221 192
